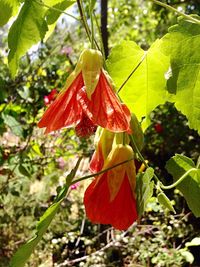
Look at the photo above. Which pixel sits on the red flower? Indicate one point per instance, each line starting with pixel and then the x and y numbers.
pixel 48 99
pixel 88 92
pixel 158 128
pixel 110 198
pixel 103 143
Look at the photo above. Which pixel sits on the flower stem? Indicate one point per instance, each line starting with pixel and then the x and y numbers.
pixel 167 187
pixel 177 11
pixel 83 19
pixel 101 40
pixel 85 24
pixel 98 173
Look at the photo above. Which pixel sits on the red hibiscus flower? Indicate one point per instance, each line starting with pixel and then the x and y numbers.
pixel 88 92
pixel 110 198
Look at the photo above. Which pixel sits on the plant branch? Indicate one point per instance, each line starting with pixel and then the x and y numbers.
pixel 177 11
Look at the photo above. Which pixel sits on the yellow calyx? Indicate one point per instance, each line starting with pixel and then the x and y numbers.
pixel 91 63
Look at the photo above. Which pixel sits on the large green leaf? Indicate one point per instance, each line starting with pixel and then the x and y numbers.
pixel 146 88
pixel 182 43
pixel 144 189
pixel 28 29
pixel 8 8
pixel 177 166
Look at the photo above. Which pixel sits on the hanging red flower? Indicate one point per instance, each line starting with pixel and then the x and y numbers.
pixel 110 198
pixel 88 92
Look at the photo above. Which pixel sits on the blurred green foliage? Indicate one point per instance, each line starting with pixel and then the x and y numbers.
pixel 33 166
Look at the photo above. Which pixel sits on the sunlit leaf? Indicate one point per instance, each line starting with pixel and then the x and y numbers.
pixel 28 29
pixel 55 2
pixel 52 15
pixel 146 88
pixel 182 44
pixel 8 8
pixel 190 186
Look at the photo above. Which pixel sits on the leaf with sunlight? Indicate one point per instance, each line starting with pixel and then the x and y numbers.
pixel 28 29
pixel 190 186
pixel 8 8
pixel 146 88
pixel 182 43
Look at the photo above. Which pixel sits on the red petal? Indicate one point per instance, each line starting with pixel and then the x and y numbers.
pixel 97 160
pixel 104 108
pixel 65 111
pixel 120 213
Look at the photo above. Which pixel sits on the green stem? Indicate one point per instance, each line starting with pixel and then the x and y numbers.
pixel 142 59
pixel 100 37
pixel 84 22
pixel 167 187
pixel 92 29
pixel 56 9
pixel 83 19
pixel 98 173
pixel 177 11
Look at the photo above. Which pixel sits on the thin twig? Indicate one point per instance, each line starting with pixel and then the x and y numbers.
pixel 176 11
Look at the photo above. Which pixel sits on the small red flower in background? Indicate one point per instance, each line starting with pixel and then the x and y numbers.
pixel 88 93
pixel 48 99
pixel 158 128
pixel 110 198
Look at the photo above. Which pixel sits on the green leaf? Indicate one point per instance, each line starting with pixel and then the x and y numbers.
pixel 13 124
pixel 28 29
pixel 53 15
pixel 182 45
pixel 144 189
pixel 194 242
pixel 55 2
pixel 146 88
pixel 190 186
pixel 187 255
pixel 23 169
pixel 8 8
pixel 24 252
pixel 165 202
